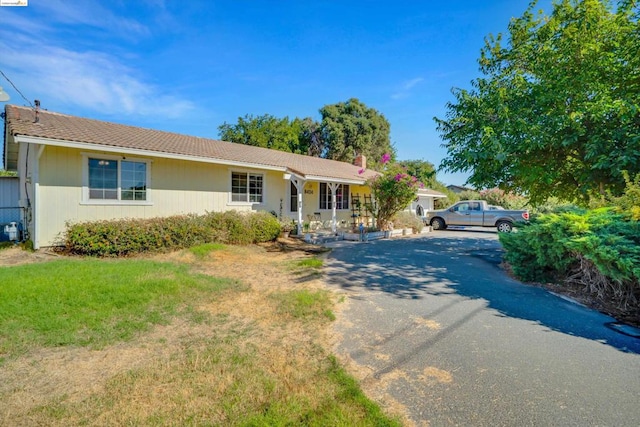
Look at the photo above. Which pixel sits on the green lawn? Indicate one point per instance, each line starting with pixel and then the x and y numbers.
pixel 231 372
pixel 93 302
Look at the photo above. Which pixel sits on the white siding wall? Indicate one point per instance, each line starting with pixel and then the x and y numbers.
pixel 54 185
pixel 176 187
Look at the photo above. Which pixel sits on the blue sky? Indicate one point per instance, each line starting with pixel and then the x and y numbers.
pixel 189 66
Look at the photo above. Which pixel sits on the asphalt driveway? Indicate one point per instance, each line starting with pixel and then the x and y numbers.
pixel 439 328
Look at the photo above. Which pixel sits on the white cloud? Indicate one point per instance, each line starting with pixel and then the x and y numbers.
pixel 93 80
pixel 405 88
pixel 36 56
pixel 93 14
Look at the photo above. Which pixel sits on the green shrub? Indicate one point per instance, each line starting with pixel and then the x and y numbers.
pixel 537 252
pixel 131 236
pixel 573 243
pixel 237 226
pixel 629 202
pixel 265 226
pixel 408 220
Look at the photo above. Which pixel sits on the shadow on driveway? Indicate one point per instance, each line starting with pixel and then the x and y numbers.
pixel 465 266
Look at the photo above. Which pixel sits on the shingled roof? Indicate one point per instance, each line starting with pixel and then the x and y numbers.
pixel 58 129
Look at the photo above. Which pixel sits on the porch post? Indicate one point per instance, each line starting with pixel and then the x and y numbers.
pixel 333 187
pixel 299 184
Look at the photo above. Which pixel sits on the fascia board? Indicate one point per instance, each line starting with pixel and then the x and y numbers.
pixel 336 180
pixel 139 152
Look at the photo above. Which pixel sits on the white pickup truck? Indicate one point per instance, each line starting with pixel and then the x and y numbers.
pixel 475 213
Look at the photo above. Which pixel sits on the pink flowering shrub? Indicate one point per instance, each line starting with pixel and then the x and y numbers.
pixel 392 192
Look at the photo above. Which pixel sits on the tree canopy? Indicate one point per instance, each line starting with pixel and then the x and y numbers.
pixel 423 170
pixel 351 128
pixel 346 129
pixel 265 131
pixel 557 111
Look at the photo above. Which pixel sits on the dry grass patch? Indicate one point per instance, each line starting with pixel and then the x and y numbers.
pixel 255 356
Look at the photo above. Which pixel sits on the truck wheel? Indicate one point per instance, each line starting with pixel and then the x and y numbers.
pixel 438 224
pixel 504 227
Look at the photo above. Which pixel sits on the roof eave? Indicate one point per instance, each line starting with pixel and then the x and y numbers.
pixel 140 152
pixel 336 180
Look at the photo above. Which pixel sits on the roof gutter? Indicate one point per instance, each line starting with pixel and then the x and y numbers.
pixel 139 152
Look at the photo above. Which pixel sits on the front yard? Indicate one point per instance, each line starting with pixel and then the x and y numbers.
pixel 216 335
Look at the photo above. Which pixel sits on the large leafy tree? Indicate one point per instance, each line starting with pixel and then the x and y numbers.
pixel 423 170
pixel 557 111
pixel 426 173
pixel 346 130
pixel 265 131
pixel 351 128
pixel 311 137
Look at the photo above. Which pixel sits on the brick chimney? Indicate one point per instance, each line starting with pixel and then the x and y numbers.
pixel 361 160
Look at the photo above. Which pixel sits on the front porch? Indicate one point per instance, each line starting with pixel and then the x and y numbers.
pixel 320 237
pixel 324 207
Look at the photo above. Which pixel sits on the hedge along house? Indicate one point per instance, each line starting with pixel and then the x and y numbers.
pixel 74 169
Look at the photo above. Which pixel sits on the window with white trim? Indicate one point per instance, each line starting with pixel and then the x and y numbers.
pixel 247 187
pixel 112 179
pixel 342 196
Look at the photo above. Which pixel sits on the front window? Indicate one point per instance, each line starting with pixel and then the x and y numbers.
pixel 342 196
pixel 246 187
pixel 113 179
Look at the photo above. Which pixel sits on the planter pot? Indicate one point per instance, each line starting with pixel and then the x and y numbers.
pixel 285 234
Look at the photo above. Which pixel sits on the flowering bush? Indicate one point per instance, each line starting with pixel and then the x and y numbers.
pixel 392 192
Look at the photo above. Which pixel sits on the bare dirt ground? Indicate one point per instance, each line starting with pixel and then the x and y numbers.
pixel 71 374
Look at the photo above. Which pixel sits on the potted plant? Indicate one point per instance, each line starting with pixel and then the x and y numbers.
pixel 286 225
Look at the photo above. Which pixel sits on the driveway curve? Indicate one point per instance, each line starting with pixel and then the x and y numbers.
pixel 438 327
